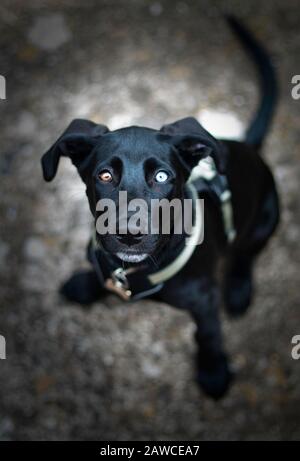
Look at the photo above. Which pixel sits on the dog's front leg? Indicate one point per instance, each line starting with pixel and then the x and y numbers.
pixel 201 298
pixel 83 288
pixel 213 371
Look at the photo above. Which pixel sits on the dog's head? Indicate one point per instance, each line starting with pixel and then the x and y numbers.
pixel 145 163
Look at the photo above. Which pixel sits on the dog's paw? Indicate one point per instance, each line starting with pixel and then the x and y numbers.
pixel 214 378
pixel 82 288
pixel 238 292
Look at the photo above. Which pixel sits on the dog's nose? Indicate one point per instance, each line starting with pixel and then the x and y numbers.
pixel 128 233
pixel 130 239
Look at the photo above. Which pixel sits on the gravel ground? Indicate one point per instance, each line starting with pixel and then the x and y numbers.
pixel 115 371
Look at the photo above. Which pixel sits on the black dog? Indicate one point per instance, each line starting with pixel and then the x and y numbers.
pixel 149 164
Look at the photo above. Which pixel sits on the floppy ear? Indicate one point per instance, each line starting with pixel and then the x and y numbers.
pixel 192 142
pixel 76 142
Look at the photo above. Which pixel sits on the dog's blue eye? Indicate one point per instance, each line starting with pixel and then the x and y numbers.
pixel 161 176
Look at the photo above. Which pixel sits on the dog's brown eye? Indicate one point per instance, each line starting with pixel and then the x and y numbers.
pixel 105 176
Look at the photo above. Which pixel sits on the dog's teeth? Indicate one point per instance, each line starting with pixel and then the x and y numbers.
pixel 131 258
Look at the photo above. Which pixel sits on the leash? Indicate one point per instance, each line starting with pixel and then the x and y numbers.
pixel 135 283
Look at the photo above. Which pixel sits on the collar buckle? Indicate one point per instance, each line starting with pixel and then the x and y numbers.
pixel 118 284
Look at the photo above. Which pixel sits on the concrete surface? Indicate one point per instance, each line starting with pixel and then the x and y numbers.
pixel 115 371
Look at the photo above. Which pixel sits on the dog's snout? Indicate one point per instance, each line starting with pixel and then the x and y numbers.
pixel 129 234
pixel 130 239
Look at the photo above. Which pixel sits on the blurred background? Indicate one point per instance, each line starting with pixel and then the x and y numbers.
pixel 115 371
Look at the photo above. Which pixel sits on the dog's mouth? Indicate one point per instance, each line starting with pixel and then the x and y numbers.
pixel 131 257
pixel 134 252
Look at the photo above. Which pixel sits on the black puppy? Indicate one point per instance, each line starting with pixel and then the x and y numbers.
pixel 155 164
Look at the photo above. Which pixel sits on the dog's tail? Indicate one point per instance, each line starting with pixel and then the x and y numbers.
pixel 268 84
